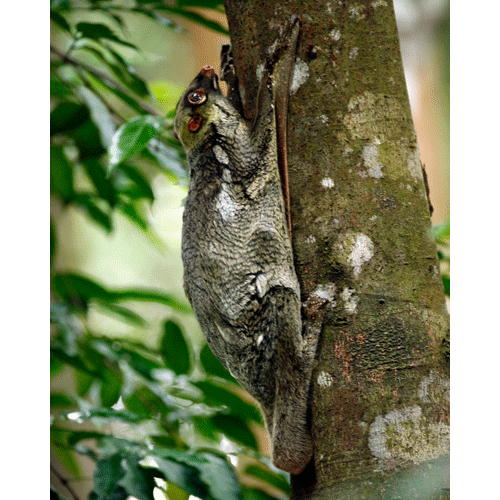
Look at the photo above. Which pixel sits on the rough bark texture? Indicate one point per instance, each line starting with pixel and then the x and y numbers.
pixel 361 236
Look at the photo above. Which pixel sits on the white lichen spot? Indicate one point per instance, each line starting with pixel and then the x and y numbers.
pixel 220 155
pixel 327 183
pixel 325 379
pixel 409 188
pixel 259 71
pixel 347 151
pixel 300 75
pixel 357 12
pixel 433 388
pixel 260 338
pixel 335 35
pixel 379 3
pixel 310 240
pixel 362 252
pixel 353 53
pixel 350 300
pixel 413 163
pixel 225 204
pixel 374 217
pixel 404 435
pixel 325 292
pixel 323 118
pixel 370 155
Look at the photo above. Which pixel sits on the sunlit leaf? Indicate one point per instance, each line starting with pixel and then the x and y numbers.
pixel 59 20
pixel 104 414
pixel 133 137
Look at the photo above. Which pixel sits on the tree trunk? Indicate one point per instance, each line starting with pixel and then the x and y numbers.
pixel 361 237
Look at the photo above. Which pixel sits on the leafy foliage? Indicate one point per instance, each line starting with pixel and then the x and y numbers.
pixel 151 419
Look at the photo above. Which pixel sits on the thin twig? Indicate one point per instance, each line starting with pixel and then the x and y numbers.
pixel 101 76
pixel 64 482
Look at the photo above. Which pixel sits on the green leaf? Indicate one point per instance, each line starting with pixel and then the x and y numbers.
pixel 70 286
pixel 61 174
pixel 138 481
pixel 100 115
pixel 87 139
pixel 141 187
pixel 145 294
pixel 256 494
pixel 103 185
pixel 61 400
pixel 167 158
pixel 274 479
pixel 76 288
pixel 102 86
pixel 182 475
pixel 53 241
pixel 123 313
pixel 212 365
pixel 118 66
pixel 214 472
pixel 108 472
pixel 59 448
pixel 442 231
pixel 99 216
pixel 98 31
pixel 107 415
pixel 174 349
pixel 220 478
pixel 66 116
pixel 59 20
pixel 133 137
pixel 235 429
pixel 219 397
pixel 111 387
pixel 198 18
pixel 446 284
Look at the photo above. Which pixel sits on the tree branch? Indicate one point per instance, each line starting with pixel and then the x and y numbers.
pixel 64 482
pixel 102 76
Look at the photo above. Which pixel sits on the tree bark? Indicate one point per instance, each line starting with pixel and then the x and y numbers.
pixel 361 237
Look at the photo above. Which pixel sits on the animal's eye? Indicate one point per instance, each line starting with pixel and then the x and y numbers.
pixel 197 97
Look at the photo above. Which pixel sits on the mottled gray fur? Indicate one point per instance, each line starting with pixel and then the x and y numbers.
pixel 238 264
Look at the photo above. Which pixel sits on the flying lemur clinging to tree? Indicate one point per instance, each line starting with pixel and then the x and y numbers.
pixel 238 264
